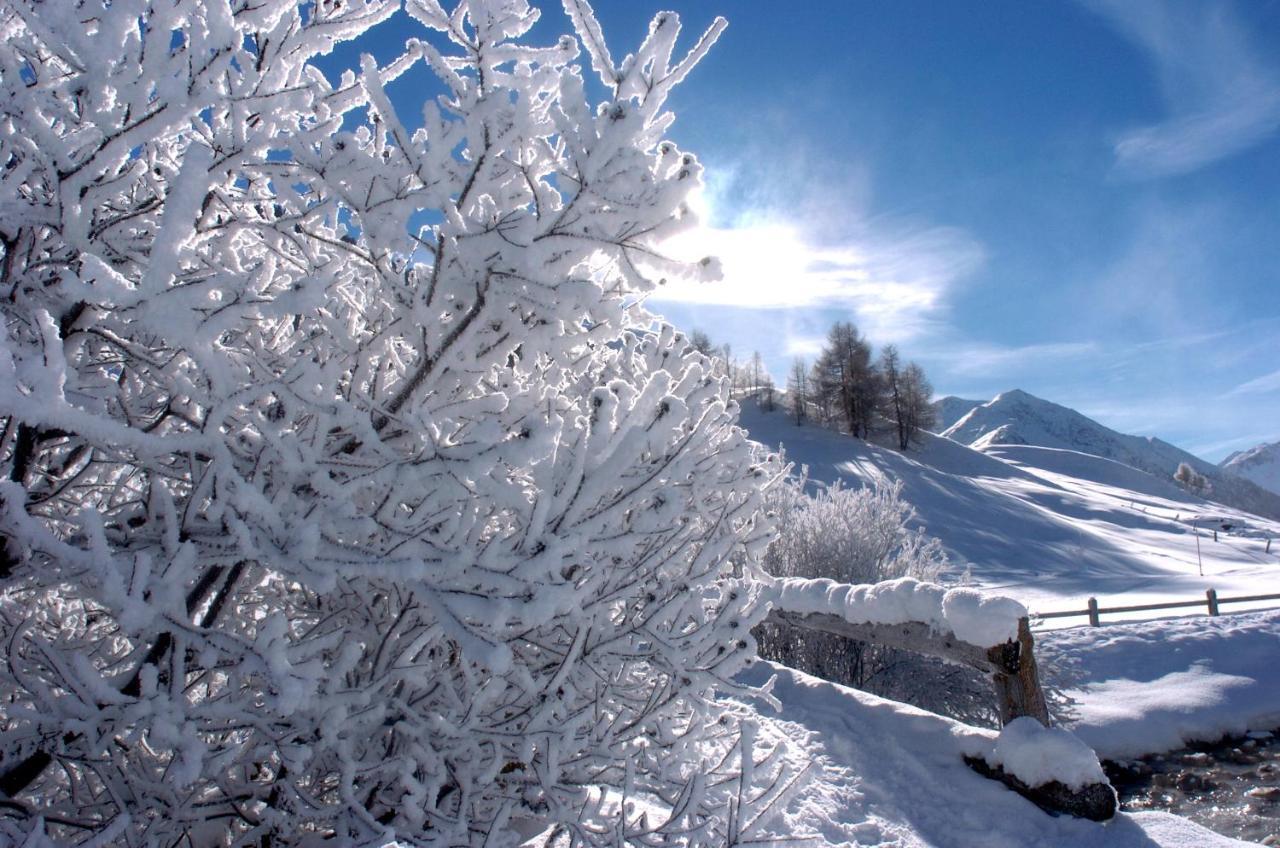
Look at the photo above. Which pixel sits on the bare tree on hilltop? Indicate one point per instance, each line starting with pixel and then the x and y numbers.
pixel 798 391
pixel 845 385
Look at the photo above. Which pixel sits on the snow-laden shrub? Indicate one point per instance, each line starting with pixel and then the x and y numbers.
pixel 864 536
pixel 320 529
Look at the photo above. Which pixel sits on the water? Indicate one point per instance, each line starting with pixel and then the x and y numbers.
pixel 1231 786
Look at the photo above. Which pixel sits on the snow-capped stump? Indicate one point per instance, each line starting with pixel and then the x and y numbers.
pixel 1050 767
pixel 959 625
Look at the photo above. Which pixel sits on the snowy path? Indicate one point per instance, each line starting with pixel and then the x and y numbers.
pixel 882 773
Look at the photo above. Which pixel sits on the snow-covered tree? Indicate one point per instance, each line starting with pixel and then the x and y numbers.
pixel 319 527
pixel 1190 479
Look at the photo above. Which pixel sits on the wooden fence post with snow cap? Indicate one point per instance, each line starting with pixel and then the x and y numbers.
pixel 1017 679
pixel 1212 596
pixel 1093 612
pixel 833 608
pixel 1011 665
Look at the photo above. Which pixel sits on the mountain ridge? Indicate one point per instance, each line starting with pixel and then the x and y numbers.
pixel 1259 464
pixel 1017 417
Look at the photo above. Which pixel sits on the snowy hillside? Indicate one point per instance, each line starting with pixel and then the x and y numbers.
pixel 1047 525
pixel 1018 418
pixel 1260 464
pixel 950 409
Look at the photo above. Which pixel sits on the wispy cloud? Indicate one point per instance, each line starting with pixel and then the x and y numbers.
pixel 1260 385
pixel 997 361
pixel 1223 97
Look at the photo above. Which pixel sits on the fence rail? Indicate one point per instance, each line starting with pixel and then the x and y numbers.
pixel 1211 602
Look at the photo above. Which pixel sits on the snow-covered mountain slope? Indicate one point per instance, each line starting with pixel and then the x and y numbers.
pixel 1049 526
pixel 1259 464
pixel 1018 418
pixel 950 409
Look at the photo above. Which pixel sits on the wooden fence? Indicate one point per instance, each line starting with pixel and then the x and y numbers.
pixel 1212 603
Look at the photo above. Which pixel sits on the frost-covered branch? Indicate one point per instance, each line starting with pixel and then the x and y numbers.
pixel 317 527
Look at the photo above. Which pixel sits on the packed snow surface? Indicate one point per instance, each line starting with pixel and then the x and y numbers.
pixel 1037 755
pixel 1049 526
pixel 1260 464
pixel 1154 686
pixel 973 617
pixel 881 773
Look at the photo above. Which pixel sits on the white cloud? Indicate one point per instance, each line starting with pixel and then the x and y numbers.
pixel 895 282
pixel 1223 97
pixel 806 347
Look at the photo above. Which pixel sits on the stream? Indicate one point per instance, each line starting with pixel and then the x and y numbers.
pixel 1231 786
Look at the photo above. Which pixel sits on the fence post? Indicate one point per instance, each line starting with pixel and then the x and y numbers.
pixel 1212 596
pixel 1016 680
pixel 1093 612
pixel 1268 546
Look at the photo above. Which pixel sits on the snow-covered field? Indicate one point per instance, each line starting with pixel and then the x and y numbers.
pixel 1153 686
pixel 883 773
pixel 1051 527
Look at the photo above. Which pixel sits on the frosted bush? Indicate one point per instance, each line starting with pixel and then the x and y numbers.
pixel 320 526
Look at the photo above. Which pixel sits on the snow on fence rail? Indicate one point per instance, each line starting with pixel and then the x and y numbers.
pixel 989 633
pixel 1211 602
pixel 960 625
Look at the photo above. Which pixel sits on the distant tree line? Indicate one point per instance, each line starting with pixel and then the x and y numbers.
pixel 749 377
pixel 846 387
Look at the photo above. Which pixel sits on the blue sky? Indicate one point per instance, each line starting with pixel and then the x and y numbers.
pixel 1079 199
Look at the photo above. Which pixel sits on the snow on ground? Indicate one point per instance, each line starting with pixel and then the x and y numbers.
pixel 883 773
pixel 1153 686
pixel 1050 527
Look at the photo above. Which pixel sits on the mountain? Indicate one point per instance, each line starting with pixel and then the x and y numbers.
pixel 1049 526
pixel 950 409
pixel 1260 465
pixel 1019 418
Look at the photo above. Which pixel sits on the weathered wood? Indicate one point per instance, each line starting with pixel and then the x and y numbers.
pixel 1017 679
pixel 1012 666
pixel 1094 610
pixel 911 636
pixel 1096 802
pixel 1212 596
